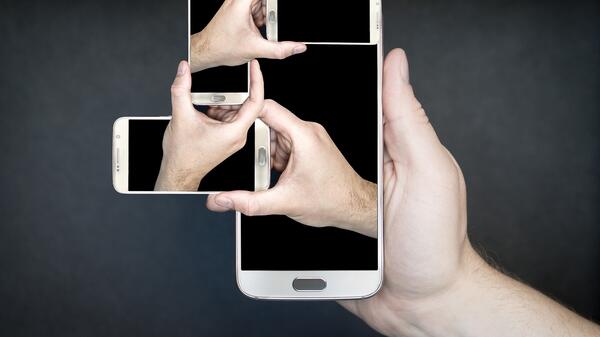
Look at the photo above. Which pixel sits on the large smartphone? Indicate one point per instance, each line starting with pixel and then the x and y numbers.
pixel 331 21
pixel 338 86
pixel 137 154
pixel 214 86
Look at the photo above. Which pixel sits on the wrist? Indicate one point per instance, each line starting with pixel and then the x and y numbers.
pixel 177 180
pixel 441 313
pixel 363 214
pixel 200 52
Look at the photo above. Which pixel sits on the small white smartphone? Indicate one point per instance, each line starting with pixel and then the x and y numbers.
pixel 137 154
pixel 330 22
pixel 214 86
pixel 278 258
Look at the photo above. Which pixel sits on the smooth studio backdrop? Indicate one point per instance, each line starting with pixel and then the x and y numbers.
pixel 512 87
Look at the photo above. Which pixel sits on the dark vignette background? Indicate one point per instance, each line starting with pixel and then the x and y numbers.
pixel 512 88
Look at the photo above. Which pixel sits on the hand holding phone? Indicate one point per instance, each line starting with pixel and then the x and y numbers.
pixel 317 187
pixel 233 38
pixel 195 143
pixel 426 248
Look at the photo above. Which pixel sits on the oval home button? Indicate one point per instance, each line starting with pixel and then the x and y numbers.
pixel 217 98
pixel 309 284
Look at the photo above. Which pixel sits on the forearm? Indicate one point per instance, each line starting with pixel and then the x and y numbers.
pixel 172 180
pixel 200 56
pixel 485 302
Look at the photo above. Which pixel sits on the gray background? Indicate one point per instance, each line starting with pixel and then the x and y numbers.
pixel 511 87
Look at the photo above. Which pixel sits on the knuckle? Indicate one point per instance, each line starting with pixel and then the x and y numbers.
pixel 251 207
pixel 317 129
pixel 177 90
pixel 320 129
pixel 268 105
pixel 279 53
pixel 239 143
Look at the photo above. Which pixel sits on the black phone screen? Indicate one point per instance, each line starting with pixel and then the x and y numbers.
pixel 220 79
pixel 336 86
pixel 324 21
pixel 145 156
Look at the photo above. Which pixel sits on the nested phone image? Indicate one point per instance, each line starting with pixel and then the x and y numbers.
pixel 137 155
pixel 222 85
pixel 339 87
pixel 331 21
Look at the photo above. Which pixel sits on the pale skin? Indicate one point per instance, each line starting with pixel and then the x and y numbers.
pixel 233 38
pixel 194 143
pixel 317 186
pixel 435 283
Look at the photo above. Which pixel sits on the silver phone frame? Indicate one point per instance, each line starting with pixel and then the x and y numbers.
pixel 341 284
pixel 214 98
pixel 120 156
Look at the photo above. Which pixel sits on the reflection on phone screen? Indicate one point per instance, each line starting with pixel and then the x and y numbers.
pixel 335 86
pixel 220 79
pixel 324 21
pixel 145 156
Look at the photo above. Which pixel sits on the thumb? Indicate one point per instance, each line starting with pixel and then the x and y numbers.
pixel 408 134
pixel 181 98
pixel 255 102
pixel 278 50
pixel 249 203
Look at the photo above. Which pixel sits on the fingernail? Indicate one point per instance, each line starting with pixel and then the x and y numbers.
pixel 404 75
pixel 404 71
pixel 299 50
pixel 224 202
pixel 181 69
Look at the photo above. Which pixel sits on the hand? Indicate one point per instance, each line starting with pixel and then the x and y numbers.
pixel 435 283
pixel 424 206
pixel 317 187
pixel 232 38
pixel 195 143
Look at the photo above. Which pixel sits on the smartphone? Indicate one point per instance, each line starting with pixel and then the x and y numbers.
pixel 221 85
pixel 331 21
pixel 338 86
pixel 137 155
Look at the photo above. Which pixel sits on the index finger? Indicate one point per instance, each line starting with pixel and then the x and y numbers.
pixel 280 119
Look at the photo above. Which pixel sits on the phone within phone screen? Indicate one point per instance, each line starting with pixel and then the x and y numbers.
pixel 324 21
pixel 220 79
pixel 145 156
pixel 335 86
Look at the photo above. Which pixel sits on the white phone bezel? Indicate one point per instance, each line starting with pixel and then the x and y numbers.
pixel 120 156
pixel 374 15
pixel 277 285
pixel 215 98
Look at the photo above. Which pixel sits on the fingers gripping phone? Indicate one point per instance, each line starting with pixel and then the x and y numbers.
pixel 137 154
pixel 278 258
pixel 214 86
